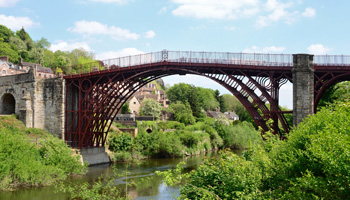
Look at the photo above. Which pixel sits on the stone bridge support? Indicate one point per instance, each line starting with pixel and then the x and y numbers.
pixel 303 87
pixel 39 103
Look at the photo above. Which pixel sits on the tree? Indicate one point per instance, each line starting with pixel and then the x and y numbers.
pixel 6 50
pixel 42 43
pixel 206 98
pixel 23 35
pixel 337 92
pixel 151 107
pixel 179 92
pixel 194 103
pixel 6 33
pixel 125 108
pixel 182 112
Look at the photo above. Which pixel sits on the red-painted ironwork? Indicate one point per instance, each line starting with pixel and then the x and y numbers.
pixel 96 91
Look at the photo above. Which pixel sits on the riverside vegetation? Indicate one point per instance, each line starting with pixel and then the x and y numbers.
pixel 33 157
pixel 174 139
pixel 312 164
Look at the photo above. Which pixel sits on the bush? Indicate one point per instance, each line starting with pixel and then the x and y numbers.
pixel 189 139
pixel 165 145
pixel 312 164
pixel 120 142
pixel 24 163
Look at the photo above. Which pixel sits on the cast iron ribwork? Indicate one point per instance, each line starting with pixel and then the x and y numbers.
pixel 96 92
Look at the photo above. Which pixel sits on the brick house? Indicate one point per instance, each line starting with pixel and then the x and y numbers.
pixel 7 68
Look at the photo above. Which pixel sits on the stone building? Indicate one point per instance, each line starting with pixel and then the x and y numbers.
pixel 40 72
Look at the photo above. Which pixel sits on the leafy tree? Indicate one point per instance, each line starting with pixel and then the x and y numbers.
pixel 151 107
pixel 179 92
pixel 207 98
pixel 6 33
pixel 6 50
pixel 125 108
pixel 182 112
pixel 194 103
pixel 42 43
pixel 36 55
pixel 337 92
pixel 23 35
pixel 49 59
pixel 17 43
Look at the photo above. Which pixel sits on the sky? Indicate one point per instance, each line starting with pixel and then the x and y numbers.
pixel 114 28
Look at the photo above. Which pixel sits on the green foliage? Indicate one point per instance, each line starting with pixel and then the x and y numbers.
pixel 151 107
pixel 237 136
pixel 174 177
pixel 125 108
pixel 25 163
pixel 312 164
pixel 5 33
pixel 182 112
pixel 103 189
pixel 163 125
pixel 165 145
pixel 230 177
pixel 189 139
pixel 337 92
pixel 6 50
pixel 120 142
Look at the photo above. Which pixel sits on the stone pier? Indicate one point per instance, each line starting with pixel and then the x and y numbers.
pixel 94 156
pixel 303 87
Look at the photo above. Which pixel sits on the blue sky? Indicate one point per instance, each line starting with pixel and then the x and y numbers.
pixel 113 28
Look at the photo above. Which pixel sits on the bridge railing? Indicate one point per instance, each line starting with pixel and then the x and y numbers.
pixel 189 57
pixel 332 60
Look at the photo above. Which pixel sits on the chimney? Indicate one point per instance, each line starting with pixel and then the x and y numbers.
pixel 4 58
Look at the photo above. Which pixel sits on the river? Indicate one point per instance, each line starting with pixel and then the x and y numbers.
pixel 152 186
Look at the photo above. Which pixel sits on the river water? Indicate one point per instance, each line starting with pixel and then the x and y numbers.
pixel 150 186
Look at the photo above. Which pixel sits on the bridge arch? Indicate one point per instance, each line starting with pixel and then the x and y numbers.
pixel 95 100
pixel 324 82
pixel 8 104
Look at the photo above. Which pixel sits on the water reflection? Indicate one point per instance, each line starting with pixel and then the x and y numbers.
pixel 148 185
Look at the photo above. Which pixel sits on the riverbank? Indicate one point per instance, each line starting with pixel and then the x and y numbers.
pixel 33 157
pixel 170 139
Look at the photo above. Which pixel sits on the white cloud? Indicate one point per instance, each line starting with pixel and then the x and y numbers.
pixel 318 49
pixel 269 49
pixel 265 12
pixel 64 46
pixel 309 12
pixel 8 3
pixel 112 1
pixel 117 54
pixel 150 34
pixel 95 28
pixel 16 23
pixel 218 9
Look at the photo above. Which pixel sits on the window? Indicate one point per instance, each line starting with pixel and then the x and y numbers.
pixel 11 72
pixel 4 72
pixel 134 102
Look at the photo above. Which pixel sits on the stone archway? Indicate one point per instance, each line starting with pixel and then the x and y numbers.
pixel 8 104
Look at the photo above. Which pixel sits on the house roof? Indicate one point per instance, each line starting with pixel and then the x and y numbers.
pixel 147 96
pixel 44 69
pixel 231 115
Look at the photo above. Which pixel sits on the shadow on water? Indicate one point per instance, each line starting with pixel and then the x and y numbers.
pixel 149 185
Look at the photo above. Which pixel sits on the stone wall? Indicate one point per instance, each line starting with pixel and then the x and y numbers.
pixel 38 103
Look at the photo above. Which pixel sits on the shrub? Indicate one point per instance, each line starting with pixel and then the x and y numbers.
pixel 189 139
pixel 120 142
pixel 312 164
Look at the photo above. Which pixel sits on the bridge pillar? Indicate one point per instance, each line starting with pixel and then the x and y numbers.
pixel 303 87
